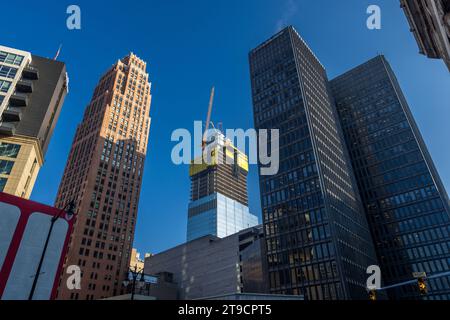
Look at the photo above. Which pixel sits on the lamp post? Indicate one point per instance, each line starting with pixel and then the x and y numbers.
pixel 135 273
pixel 70 207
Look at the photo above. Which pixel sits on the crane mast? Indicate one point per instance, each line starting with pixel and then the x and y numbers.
pixel 208 118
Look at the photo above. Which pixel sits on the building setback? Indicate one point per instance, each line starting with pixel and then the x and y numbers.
pixel 219 200
pixel 32 92
pixel 405 200
pixel 318 241
pixel 103 175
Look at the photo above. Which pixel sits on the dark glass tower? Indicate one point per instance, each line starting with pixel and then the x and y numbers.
pixel 405 200
pixel 318 239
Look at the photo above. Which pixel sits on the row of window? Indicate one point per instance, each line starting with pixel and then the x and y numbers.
pixel 9 150
pixel 8 72
pixel 11 58
pixel 296 278
pixel 297 239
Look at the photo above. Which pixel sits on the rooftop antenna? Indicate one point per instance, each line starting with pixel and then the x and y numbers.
pixel 208 118
pixel 58 52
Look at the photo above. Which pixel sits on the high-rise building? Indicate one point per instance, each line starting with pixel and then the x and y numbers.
pixel 318 240
pixel 430 24
pixel 32 92
pixel 405 200
pixel 219 201
pixel 103 175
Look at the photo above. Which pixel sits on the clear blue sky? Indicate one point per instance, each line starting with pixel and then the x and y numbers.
pixel 191 45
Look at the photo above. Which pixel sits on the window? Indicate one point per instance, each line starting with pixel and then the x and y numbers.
pixel 4 86
pixel 1 98
pixel 3 183
pixel 8 72
pixel 9 150
pixel 11 58
pixel 6 166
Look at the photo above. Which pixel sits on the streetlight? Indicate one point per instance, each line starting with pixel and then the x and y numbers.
pixel 70 210
pixel 135 273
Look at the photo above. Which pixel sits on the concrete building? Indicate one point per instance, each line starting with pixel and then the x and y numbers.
pixel 430 23
pixel 219 200
pixel 103 175
pixel 318 241
pixel 32 92
pixel 404 198
pixel 212 266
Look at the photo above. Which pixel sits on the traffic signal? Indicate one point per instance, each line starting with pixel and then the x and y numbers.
pixel 372 295
pixel 422 286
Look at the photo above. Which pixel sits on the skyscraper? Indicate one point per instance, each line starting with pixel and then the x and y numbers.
pixel 32 92
pixel 318 240
pixel 219 200
pixel 103 175
pixel 405 200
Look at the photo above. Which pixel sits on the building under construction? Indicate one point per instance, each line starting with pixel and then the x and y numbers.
pixel 219 200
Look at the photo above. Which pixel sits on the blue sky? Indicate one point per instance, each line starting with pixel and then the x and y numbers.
pixel 191 45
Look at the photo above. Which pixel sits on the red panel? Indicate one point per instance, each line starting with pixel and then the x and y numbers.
pixel 27 207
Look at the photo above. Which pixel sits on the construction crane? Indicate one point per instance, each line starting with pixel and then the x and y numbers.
pixel 57 52
pixel 208 118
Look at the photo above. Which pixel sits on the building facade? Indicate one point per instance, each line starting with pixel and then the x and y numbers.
pixel 318 240
pixel 103 175
pixel 430 23
pixel 32 92
pixel 406 202
pixel 212 266
pixel 219 200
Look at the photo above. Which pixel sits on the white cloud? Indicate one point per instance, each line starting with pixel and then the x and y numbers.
pixel 290 8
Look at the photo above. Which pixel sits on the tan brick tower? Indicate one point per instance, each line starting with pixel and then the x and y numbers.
pixel 103 175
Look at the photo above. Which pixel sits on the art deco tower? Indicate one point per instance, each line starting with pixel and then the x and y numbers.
pixel 103 175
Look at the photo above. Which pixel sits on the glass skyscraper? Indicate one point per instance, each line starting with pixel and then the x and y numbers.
pixel 218 215
pixel 405 200
pixel 219 200
pixel 318 239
